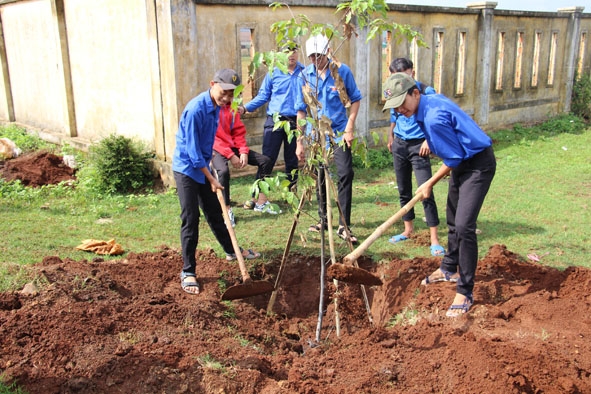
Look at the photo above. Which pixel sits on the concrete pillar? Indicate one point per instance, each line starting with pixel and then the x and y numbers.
pixel 59 19
pixel 485 60
pixel 573 41
pixel 362 67
pixel 6 77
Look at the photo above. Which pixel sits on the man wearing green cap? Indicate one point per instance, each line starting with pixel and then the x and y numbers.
pixel 467 153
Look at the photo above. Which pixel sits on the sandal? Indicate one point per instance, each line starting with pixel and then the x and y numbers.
pixel 460 309
pixel 398 238
pixel 437 250
pixel 315 228
pixel 250 254
pixel 343 235
pixel 190 286
pixel 440 275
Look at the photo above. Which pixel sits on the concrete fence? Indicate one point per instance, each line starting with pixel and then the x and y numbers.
pixel 76 70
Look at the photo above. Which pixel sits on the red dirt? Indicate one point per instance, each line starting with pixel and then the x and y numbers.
pixel 36 169
pixel 125 326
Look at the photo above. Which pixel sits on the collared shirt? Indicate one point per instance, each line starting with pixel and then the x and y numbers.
pixel 407 128
pixel 328 95
pixel 450 132
pixel 279 90
pixel 195 136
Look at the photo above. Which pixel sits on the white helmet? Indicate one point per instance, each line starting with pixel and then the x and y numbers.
pixel 317 44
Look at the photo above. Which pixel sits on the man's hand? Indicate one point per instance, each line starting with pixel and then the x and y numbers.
pixel 425 190
pixel 300 151
pixel 236 163
pixel 243 160
pixel 215 185
pixel 348 137
pixel 424 150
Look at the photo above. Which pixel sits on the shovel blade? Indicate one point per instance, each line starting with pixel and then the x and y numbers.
pixel 245 290
pixel 351 274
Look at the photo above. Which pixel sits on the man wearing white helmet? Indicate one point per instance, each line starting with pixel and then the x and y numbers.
pixel 318 78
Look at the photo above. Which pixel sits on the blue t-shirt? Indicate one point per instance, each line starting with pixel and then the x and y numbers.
pixel 450 132
pixel 279 90
pixel 195 136
pixel 407 128
pixel 328 95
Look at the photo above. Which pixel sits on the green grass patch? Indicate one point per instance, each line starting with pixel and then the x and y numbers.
pixel 538 203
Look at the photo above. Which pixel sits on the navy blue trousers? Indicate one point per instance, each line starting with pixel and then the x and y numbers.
pixel 192 196
pixel 405 154
pixel 220 165
pixel 272 141
pixel 468 186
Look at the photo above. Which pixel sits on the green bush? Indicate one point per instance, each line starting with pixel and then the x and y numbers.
pixel 581 97
pixel 379 158
pixel 117 164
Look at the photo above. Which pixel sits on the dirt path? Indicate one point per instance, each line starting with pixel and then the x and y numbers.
pixel 125 326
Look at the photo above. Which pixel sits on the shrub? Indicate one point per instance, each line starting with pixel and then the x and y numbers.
pixel 581 97
pixel 378 158
pixel 117 164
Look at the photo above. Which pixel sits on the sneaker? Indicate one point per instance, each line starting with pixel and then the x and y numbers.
pixel 267 208
pixel 231 215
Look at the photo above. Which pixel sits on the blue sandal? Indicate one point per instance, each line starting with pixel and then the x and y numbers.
pixel 437 250
pixel 398 238
pixel 457 310
pixel 190 287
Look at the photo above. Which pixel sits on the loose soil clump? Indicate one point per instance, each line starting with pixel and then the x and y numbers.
pixel 37 169
pixel 126 326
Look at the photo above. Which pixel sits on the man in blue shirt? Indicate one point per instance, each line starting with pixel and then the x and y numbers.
pixel 279 90
pixel 467 153
pixel 318 78
pixel 196 186
pixel 410 153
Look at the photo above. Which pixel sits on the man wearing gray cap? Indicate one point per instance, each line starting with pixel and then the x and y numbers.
pixel 467 153
pixel 196 186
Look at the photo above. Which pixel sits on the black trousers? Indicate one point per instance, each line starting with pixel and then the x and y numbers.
pixel 192 196
pixel 468 186
pixel 220 165
pixel 344 162
pixel 272 141
pixel 407 159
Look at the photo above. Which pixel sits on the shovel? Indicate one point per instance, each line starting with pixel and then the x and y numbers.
pixel 346 272
pixel 249 287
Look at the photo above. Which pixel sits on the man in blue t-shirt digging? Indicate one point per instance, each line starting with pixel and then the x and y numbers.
pixel 467 154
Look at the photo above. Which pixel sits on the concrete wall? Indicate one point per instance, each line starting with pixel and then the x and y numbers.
pixel 79 70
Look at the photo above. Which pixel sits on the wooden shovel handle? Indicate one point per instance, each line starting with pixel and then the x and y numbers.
pixel 237 251
pixel 354 255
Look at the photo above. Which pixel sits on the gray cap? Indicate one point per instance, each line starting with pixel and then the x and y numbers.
pixel 395 89
pixel 227 78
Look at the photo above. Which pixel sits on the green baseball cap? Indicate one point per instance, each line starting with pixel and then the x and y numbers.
pixel 395 89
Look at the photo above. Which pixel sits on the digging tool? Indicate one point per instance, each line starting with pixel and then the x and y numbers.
pixel 346 272
pixel 249 287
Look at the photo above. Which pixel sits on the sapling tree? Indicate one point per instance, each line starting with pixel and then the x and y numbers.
pixel 315 132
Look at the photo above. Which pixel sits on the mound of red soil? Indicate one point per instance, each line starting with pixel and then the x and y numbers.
pixel 126 326
pixel 37 169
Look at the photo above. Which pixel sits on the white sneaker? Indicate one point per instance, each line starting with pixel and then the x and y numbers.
pixel 267 208
pixel 231 215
